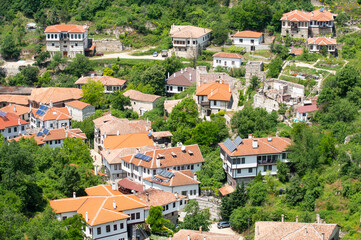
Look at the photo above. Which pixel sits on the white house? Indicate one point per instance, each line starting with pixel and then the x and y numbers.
pixel 150 163
pixel 111 84
pixel 250 40
pixel 213 97
pixel 183 182
pixel 22 111
pixel 243 159
pixel 179 81
pixel 11 125
pixel 188 40
pixel 303 112
pixel 68 39
pixel 108 214
pixel 50 117
pixel 316 44
pixel 141 102
pixel 79 110
pixel 227 60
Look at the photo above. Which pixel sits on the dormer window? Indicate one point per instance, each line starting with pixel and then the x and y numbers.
pixel 190 152
pixel 174 155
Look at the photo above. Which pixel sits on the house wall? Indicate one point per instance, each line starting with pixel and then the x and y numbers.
pixel 142 107
pixel 51 124
pixel 173 89
pixel 80 114
pixel 243 41
pixel 120 233
pixel 134 211
pixel 227 62
pixel 70 44
pixel 301 31
pixel 15 131
pixel 302 116
pixel 60 216
pixel 189 48
pixel 317 48
pixel 191 191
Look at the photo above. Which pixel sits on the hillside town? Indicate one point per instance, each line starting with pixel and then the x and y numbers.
pixel 185 120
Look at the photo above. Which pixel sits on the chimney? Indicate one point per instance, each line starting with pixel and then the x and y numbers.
pixel 117 132
pixel 19 122
pixel 30 107
pixel 269 139
pixel 211 92
pixel 96 170
pixel 323 236
pixel 189 237
pixel 105 136
pixel 283 217
pixel 14 108
pixel 296 219
pixel 255 144
pixel 257 230
pixel 174 74
pixel 147 197
pixel 137 150
pixel 176 195
pixel 108 151
pixel 114 204
pixel 183 148
pixel 199 83
pixel 200 229
pixel 318 218
pixel 306 230
pixel 195 177
pixel 249 136
pixel 168 74
pixel 86 217
pixel 182 70
pixel 114 186
pixel 157 161
pixel 74 194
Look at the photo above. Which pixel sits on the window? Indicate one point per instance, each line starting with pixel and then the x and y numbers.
pixel 51 142
pixel 136 168
pixel 76 44
pixel 144 170
pixel 284 155
pixel 107 228
pixel 265 168
pixel 181 202
pixel 180 89
pixel 22 128
pixel 15 129
pixel 192 167
pixel 239 171
pixel 56 36
pixel 65 217
pixel 115 227
pixel 132 216
pixel 270 167
pixel 194 192
pixel 99 230
pixel 243 160
pixel 52 44
pixel 252 41
pixel 214 102
pixel 115 166
pixel 184 193
pixel 9 130
pixel 174 205
pixel 241 40
pixel 283 23
pixel 71 36
pixel 250 170
pixel 167 88
pixel 233 62
pixel 90 230
pixel 154 172
pixel 171 88
pixel 52 36
pixel 121 226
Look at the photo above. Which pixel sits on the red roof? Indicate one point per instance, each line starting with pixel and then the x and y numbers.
pixel 322 41
pixel 129 184
pixel 248 34
pixel 66 28
pixel 296 51
pixel 11 120
pixel 307 108
pixel 301 16
pixel 227 55
pixel 226 189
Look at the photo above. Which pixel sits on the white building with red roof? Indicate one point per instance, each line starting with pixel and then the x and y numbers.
pixel 111 84
pixel 250 40
pixel 11 125
pixel 68 39
pixel 180 80
pixel 50 117
pixel 303 112
pixel 141 102
pixel 79 110
pixel 302 24
pixel 316 44
pixel 243 159
pixel 22 111
pixel 227 60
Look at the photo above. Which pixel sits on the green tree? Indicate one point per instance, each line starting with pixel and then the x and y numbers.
pixel 219 33
pixel 108 71
pixel 234 200
pixel 257 193
pixel 156 220
pixel 118 100
pixel 324 51
pixel 8 49
pixel 346 79
pixel 155 77
pixel 241 218
pixel 75 151
pixel 80 65
pixel 93 93
pixel 196 218
pixel 254 82
pixel 30 75
pixel 283 171
pixel 275 67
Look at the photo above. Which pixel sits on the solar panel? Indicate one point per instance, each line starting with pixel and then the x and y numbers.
pixel 46 131
pixel 2 114
pixel 238 140
pixel 166 174
pixel 39 134
pixel 40 112
pixel 149 134
pixel 43 107
pixel 229 145
pixel 143 157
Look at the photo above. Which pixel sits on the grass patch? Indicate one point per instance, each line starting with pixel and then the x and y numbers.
pixel 331 64
pixel 122 61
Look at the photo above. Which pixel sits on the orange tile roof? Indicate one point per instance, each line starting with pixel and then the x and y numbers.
pixel 55 95
pixel 102 190
pixel 321 16
pixel 158 197
pixel 226 189
pixel 139 96
pixel 322 41
pixel 77 104
pixel 16 99
pixel 38 140
pixel 295 16
pixel 105 80
pixel 162 134
pixel 128 141
pixel 17 109
pixel 66 28
pixel 130 184
pixel 294 231
pixel 11 120
pixel 215 91
pixel 55 134
pixel 227 55
pixel 67 204
pixel 198 235
pixel 248 34
pixel 180 178
pixel 187 31
pixel 277 145
pixel 114 156
pixel 191 155
pixel 296 51
pixel 53 113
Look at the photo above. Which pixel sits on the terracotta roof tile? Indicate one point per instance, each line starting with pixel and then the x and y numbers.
pixel 105 80
pixel 102 190
pixel 114 156
pixel 162 134
pixel 226 189
pixel 307 108
pixel 17 109
pixel 38 140
pixel 53 113
pixel 66 28
pixel 296 15
pixel 128 141
pixel 77 104
pixel 187 31
pixel 55 95
pixel 197 235
pixel 179 178
pixel 319 15
pixel 139 96
pixel 15 99
pixel 158 197
pixel 184 77
pixel 131 185
pixel 248 34
pixel 322 41
pixel 215 91
pixel 296 51
pixel 11 120
pixel 55 134
pixel 227 55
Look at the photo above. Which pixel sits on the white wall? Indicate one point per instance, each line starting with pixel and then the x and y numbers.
pixel 80 114
pixel 247 41
pixel 112 235
pixel 227 62
pixel 142 107
pixel 187 190
pixel 174 89
pixel 60 216
pixel 14 131
pixel 138 210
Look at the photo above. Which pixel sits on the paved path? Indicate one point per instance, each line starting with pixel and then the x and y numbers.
pixel 214 229
pixel 12 68
pixel 126 55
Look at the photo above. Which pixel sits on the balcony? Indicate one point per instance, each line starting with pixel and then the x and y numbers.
pixel 205 104
pixel 267 161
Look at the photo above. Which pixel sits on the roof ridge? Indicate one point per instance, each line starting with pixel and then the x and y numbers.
pixel 265 142
pixel 291 233
pixel 120 213
pixel 107 190
pixel 100 208
pixel 131 199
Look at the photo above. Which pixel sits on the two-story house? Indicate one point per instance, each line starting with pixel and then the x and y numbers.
pixel 79 110
pixel 180 80
pixel 54 96
pixel 11 125
pixel 22 111
pixel 302 24
pixel 227 60
pixel 141 102
pixel 188 40
pixel 68 39
pixel 50 117
pixel 213 97
pixel 250 40
pixel 183 182
pixel 111 84
pixel 243 159
pixel 150 163
pixel 316 44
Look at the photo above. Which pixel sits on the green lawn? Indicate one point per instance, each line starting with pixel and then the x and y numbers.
pixel 327 64
pixel 122 61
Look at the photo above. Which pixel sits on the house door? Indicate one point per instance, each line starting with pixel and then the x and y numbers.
pixel 65 54
pixel 253 48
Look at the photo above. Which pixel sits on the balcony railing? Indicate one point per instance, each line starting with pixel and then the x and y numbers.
pixel 205 104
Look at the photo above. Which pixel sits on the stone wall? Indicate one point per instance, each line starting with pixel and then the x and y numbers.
pixel 212 204
pixel 109 45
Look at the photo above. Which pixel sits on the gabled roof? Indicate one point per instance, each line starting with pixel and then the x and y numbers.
pixel 16 109
pixel 156 197
pixel 102 190
pixel 276 145
pixel 187 31
pixel 55 134
pixel 77 104
pixel 248 34
pixel 114 156
pixel 296 16
pixel 161 134
pixel 180 178
pixel 296 51
pixel 294 231
pixel 307 108
pixel 16 99
pixel 11 120
pixel 226 189
pixel 168 157
pixel 320 15
pixel 139 96
pixel 184 234
pixel 105 80
pixel 184 77
pixel 66 28
pixel 55 95
pixel 215 91
pixel 322 41
pixel 227 55
pixel 128 141
pixel 53 113
pixel 131 185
